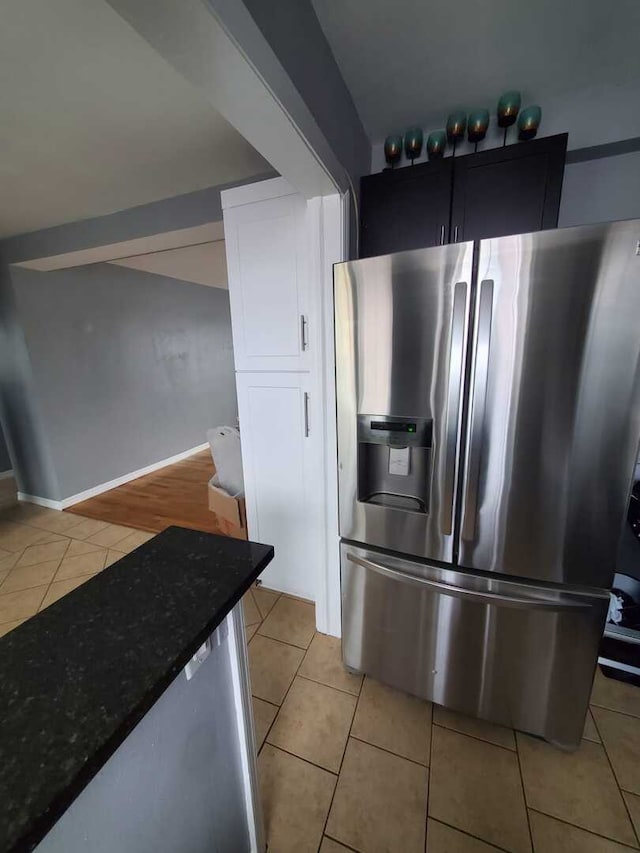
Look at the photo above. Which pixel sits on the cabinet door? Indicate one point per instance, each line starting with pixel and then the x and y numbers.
pixel 281 455
pixel 406 208
pixel 510 190
pixel 267 272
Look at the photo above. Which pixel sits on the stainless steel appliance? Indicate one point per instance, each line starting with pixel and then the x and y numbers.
pixel 488 426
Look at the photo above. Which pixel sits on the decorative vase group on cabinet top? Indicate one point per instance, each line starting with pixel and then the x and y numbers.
pixel 475 124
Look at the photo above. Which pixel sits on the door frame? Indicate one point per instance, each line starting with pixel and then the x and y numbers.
pixel 328 221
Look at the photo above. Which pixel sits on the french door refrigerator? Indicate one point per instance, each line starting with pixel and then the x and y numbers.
pixel 488 425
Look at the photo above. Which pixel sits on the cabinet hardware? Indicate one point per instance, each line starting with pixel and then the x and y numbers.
pixel 306 415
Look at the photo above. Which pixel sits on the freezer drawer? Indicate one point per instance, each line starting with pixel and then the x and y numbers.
pixel 517 654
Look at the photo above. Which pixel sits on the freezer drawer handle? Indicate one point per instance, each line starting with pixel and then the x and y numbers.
pixel 472 594
pixel 456 355
pixel 476 427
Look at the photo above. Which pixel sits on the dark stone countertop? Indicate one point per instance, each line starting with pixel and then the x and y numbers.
pixel 76 678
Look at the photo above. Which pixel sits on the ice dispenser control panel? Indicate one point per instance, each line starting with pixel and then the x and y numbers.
pixel 394 461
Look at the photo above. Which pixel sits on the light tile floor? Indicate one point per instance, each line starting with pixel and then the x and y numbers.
pixel 44 554
pixel 349 764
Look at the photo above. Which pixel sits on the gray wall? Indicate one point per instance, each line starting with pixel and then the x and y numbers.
pixel 5 459
pixel 294 33
pixel 129 368
pixel 601 190
pixel 20 414
pixel 22 403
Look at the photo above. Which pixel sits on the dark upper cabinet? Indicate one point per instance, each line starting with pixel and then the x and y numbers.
pixel 501 191
pixel 510 190
pixel 405 208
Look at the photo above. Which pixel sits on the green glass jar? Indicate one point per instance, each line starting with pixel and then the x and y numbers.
pixel 477 125
pixel 393 149
pixel 508 108
pixel 436 143
pixel 456 126
pixel 413 143
pixel 529 122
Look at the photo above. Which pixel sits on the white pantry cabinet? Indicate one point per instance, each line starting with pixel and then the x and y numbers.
pixel 280 424
pixel 268 269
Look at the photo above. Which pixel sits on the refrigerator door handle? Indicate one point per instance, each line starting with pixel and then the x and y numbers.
pixel 476 426
pixel 456 359
pixel 496 598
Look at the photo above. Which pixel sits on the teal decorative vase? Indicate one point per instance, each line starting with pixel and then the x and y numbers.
pixel 436 143
pixel 529 122
pixel 393 149
pixel 413 143
pixel 456 126
pixel 507 112
pixel 477 126
pixel 508 107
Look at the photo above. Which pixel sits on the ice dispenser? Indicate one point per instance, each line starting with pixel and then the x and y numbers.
pixel 394 461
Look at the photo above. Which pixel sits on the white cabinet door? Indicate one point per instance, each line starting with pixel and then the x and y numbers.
pixel 267 260
pixel 280 430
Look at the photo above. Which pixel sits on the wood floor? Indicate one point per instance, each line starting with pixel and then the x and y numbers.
pixel 176 494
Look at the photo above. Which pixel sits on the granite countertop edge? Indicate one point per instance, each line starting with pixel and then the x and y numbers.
pixel 43 822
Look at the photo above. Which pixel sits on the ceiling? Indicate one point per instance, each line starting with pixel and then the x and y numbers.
pixel 413 61
pixel 95 121
pixel 204 263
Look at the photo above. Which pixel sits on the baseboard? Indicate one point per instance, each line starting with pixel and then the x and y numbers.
pixel 34 499
pixel 5 475
pixel 65 503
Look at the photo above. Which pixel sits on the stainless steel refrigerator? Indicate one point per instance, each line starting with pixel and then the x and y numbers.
pixel 488 425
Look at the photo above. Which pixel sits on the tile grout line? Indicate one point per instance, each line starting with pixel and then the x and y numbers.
pixel 615 777
pixel 344 752
pixel 282 642
pixel 55 573
pixel 266 735
pixel 300 758
pixel 284 698
pixel 21 553
pixel 304 649
pixel 390 752
pixel 324 684
pixel 470 834
pixel 430 778
pixel 524 791
pixel 614 711
pixel 583 829
pixel 70 539
pixel 475 737
pixel 86 576
pixel 341 843
pixel 288 688
pixel 308 760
